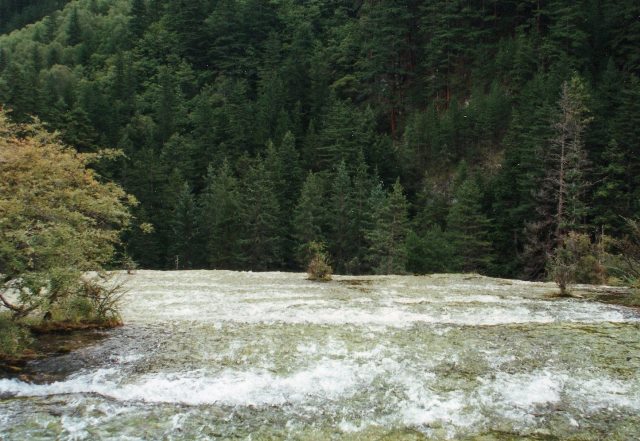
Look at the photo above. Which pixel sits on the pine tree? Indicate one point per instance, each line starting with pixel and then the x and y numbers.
pixel 567 155
pixel 360 215
pixel 626 132
pixel 431 252
pixel 185 18
pixel 310 217
pixel 219 219
pixel 560 199
pixel 344 133
pixel 138 20
pixel 514 203
pixel 74 30
pixel 260 213
pixel 567 40
pixel 285 173
pixel 468 228
pixel 167 105
pixel 340 225
pixel 182 245
pixel 388 236
pixel 612 195
pixel 79 131
pixel 389 54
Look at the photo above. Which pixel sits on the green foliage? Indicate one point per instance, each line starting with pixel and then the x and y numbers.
pixel 576 260
pixel 388 235
pixel 394 89
pixel 57 219
pixel 218 218
pixel 629 247
pixel 560 198
pixel 432 252
pixel 14 338
pixel 468 229
pixel 319 268
pixel 262 233
pixel 310 216
pixel 74 30
pixel 184 229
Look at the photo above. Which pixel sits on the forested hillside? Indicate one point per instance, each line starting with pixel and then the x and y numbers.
pixel 406 135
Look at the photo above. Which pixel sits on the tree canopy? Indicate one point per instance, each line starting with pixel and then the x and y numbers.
pixel 223 108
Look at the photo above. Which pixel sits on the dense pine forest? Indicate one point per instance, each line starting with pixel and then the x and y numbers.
pixel 404 135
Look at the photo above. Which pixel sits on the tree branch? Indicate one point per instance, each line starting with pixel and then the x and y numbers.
pixel 10 305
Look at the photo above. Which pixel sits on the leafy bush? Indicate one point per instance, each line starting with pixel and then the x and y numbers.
pixel 14 338
pixel 319 268
pixel 58 219
pixel 629 259
pixel 577 260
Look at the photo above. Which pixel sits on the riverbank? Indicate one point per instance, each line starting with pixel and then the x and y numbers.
pixel 24 343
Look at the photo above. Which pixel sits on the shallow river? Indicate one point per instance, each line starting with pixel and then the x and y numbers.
pixel 223 355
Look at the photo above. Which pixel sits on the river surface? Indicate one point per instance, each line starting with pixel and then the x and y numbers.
pixel 268 356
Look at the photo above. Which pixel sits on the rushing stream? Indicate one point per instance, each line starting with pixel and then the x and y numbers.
pixel 219 355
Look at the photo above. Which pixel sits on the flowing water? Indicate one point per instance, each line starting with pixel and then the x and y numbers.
pixel 266 356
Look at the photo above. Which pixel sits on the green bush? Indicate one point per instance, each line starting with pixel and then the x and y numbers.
pixel 14 338
pixel 94 300
pixel 319 268
pixel 577 260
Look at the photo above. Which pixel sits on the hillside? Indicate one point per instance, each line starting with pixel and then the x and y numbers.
pixel 410 135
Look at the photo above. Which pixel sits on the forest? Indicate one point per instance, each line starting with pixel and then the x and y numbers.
pixel 405 136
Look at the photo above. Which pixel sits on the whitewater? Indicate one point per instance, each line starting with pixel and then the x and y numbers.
pixel 239 355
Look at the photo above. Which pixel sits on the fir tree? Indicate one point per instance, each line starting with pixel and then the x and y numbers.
pixel 388 236
pixel 182 246
pixel 138 20
pixel 340 225
pixel 260 213
pixel 218 219
pixel 74 30
pixel 309 218
pixel 468 228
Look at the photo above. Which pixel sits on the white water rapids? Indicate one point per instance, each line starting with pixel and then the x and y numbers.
pixel 226 355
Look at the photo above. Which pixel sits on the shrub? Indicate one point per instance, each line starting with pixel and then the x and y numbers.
pixel 629 259
pixel 319 268
pixel 58 218
pixel 577 260
pixel 14 338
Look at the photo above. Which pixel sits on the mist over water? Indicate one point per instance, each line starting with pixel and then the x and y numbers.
pixel 218 355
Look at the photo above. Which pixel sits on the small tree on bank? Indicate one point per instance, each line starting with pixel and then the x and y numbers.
pixel 577 260
pixel 319 268
pixel 58 220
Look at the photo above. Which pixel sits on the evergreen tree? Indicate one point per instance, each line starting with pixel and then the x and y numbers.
pixel 360 216
pixel 185 18
pixel 389 57
pixel 468 228
pixel 612 195
pixel 310 216
pixel 431 252
pixel 138 20
pixel 561 206
pixel 402 88
pixel 74 30
pixel 340 225
pixel 260 213
pixel 388 236
pixel 514 188
pixel 182 245
pixel 167 105
pixel 219 219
